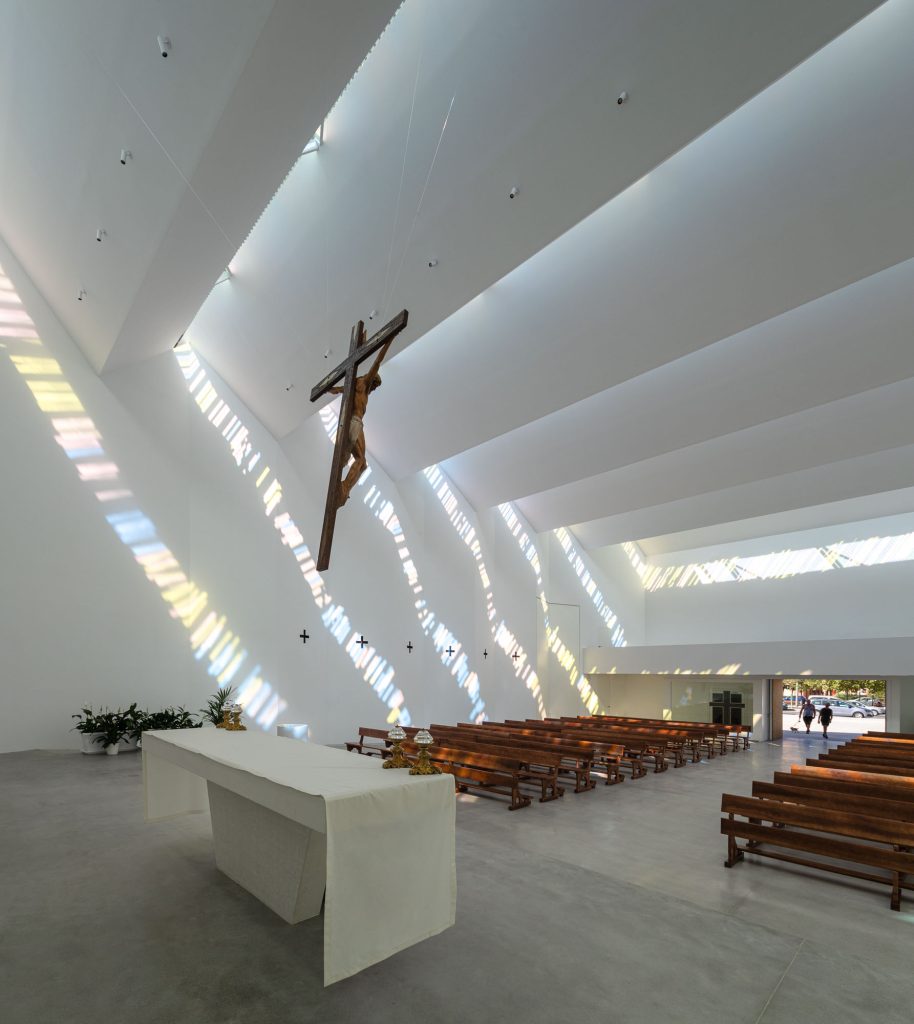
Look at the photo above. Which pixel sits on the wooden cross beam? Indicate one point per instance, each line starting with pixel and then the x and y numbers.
pixel 355 391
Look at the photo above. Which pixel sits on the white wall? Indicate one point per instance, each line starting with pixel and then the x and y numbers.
pixel 80 621
pixel 866 601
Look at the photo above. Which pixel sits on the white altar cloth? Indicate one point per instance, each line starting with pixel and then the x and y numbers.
pixel 390 837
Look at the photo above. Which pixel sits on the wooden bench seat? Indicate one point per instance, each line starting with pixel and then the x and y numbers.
pixel 817 794
pixel 487 773
pixel 606 757
pixel 535 767
pixel 363 746
pixel 576 762
pixel 849 838
pixel 871 765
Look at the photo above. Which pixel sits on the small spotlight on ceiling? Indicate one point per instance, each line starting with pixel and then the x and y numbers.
pixel 125 156
pixel 81 294
pixel 289 387
pixel 164 45
pixel 327 353
pixel 622 97
pixel 513 193
pixel 432 263
pixel 100 234
pixel 372 314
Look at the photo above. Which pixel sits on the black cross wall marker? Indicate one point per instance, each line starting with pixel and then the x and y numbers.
pixel 485 654
pixel 450 652
pixel 305 636
pixel 361 641
pixel 515 655
pixel 726 708
pixel 409 647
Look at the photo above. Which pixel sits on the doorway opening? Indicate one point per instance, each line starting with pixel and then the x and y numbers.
pixel 857 706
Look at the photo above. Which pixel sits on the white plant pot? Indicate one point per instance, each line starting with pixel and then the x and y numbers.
pixel 89 744
pixel 113 749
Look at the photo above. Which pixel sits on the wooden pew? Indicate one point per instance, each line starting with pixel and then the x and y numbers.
pixel 488 773
pixel 363 747
pixel 828 781
pixel 818 794
pixel 735 733
pixel 858 763
pixel 538 766
pixel 828 834
pixel 637 748
pixel 632 758
pixel 661 743
pixel 576 762
pixel 849 774
pixel 605 756
pixel 676 738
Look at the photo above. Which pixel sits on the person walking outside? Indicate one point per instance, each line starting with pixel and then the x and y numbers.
pixel 825 717
pixel 807 712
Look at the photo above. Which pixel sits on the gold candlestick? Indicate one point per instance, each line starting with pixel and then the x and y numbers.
pixel 226 722
pixel 397 758
pixel 424 766
pixel 236 725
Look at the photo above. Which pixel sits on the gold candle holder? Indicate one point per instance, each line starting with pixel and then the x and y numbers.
pixel 397 758
pixel 424 766
pixel 226 722
pixel 236 725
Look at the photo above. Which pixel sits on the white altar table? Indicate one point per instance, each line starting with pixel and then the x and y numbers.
pixel 291 820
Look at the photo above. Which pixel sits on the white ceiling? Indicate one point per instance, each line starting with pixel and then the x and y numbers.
pixel 213 129
pixel 692 325
pixel 528 94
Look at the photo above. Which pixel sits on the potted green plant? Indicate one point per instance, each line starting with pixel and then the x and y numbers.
pixel 170 718
pixel 132 719
pixel 113 730
pixel 214 706
pixel 88 725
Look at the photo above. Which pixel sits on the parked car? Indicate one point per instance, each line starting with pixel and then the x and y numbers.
pixel 871 709
pixel 871 702
pixel 844 708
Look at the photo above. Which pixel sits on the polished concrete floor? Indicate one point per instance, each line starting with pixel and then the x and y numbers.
pixel 610 906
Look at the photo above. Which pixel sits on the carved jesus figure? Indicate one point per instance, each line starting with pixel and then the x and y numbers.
pixel 362 388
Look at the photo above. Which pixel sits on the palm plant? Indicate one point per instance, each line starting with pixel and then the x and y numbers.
pixel 215 705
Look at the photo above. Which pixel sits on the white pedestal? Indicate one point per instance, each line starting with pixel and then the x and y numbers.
pixel 279 861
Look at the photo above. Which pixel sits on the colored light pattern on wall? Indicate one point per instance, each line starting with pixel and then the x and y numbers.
pixel 589 584
pixel 554 642
pixel 503 637
pixel 777 565
pixel 373 667
pixel 433 628
pixel 210 638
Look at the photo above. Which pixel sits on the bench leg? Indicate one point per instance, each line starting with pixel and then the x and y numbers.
pixel 517 801
pixel 734 853
pixel 896 891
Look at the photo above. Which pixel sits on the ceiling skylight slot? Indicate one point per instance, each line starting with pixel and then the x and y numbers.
pixel 314 143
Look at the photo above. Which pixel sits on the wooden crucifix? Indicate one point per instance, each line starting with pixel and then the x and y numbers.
pixel 350 434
